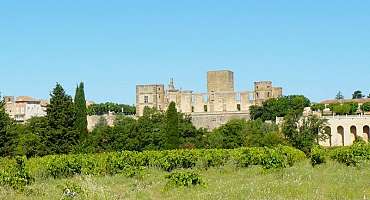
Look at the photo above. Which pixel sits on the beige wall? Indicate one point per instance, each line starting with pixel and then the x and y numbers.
pixel 346 122
pixel 220 81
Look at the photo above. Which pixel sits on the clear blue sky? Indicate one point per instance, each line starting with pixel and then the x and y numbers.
pixel 313 48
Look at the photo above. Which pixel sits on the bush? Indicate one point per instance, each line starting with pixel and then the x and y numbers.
pixel 18 177
pixel 318 156
pixel 184 178
pixel 352 155
pixel 64 166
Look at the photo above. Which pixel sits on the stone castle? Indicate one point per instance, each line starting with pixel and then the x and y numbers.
pixel 208 110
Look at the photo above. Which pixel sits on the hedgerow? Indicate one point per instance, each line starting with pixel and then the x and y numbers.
pixel 132 163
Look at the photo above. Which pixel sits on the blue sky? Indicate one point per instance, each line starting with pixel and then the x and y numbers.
pixel 313 48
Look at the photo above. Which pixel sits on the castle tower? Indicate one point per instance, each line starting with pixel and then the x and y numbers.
pixel 263 90
pixel 220 81
pixel 152 96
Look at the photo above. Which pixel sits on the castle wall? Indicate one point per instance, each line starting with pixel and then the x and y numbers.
pixel 211 121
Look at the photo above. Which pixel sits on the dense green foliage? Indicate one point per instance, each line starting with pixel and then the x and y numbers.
pixel 318 107
pixel 238 133
pixel 172 127
pixel 357 95
pixel 184 178
pixel 279 107
pixel 344 108
pixel 365 107
pixel 131 162
pixel 80 108
pixel 16 176
pixel 105 108
pixel 349 155
pixel 304 133
pixel 6 134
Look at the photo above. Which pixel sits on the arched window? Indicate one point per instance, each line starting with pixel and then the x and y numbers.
pixel 367 133
pixel 328 132
pixel 353 131
pixel 340 132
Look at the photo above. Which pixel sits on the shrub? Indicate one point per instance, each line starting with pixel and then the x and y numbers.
pixel 64 166
pixel 184 178
pixel 352 155
pixel 18 177
pixel 318 156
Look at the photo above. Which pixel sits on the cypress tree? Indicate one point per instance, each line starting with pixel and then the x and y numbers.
pixel 172 127
pixel 81 111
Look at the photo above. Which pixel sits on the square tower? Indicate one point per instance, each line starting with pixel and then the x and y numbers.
pixel 152 96
pixel 220 81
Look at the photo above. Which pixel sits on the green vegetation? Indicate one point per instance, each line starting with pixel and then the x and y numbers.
pixel 279 107
pixel 239 173
pixel 80 108
pixel 105 108
pixel 365 107
pixel 357 95
pixel 339 96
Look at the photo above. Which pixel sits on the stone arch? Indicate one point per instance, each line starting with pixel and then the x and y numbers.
pixel 328 132
pixel 353 131
pixel 340 135
pixel 366 132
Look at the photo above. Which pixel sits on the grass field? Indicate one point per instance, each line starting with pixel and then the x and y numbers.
pixel 329 181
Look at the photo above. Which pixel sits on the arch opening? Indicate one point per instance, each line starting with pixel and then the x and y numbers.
pixel 366 133
pixel 353 131
pixel 340 133
pixel 327 131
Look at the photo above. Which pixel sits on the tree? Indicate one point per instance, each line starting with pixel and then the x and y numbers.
pixel 368 96
pixel 172 127
pixel 105 108
pixel 61 120
pixel 357 95
pixel 7 136
pixel 80 109
pixel 304 132
pixel 339 96
pixel 279 107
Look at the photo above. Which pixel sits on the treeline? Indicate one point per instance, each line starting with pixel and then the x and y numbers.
pixel 105 108
pixel 63 129
pixel 347 108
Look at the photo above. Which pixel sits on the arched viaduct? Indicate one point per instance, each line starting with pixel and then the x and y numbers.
pixel 344 129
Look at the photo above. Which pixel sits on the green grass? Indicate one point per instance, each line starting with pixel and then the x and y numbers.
pixel 328 181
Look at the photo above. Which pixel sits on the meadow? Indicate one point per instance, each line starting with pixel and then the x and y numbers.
pixel 246 173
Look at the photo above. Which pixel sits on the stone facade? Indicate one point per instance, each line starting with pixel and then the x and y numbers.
pixel 344 129
pixel 211 109
pixel 23 108
pixel 264 90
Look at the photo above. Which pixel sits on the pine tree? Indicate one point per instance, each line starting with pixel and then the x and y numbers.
pixel 339 96
pixel 172 127
pixel 80 108
pixel 61 120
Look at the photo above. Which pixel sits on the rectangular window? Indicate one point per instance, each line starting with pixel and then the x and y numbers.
pixel 205 108
pixel 238 107
pixel 146 99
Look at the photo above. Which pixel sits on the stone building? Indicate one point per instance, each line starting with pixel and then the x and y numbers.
pixel 23 108
pixel 344 129
pixel 208 110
